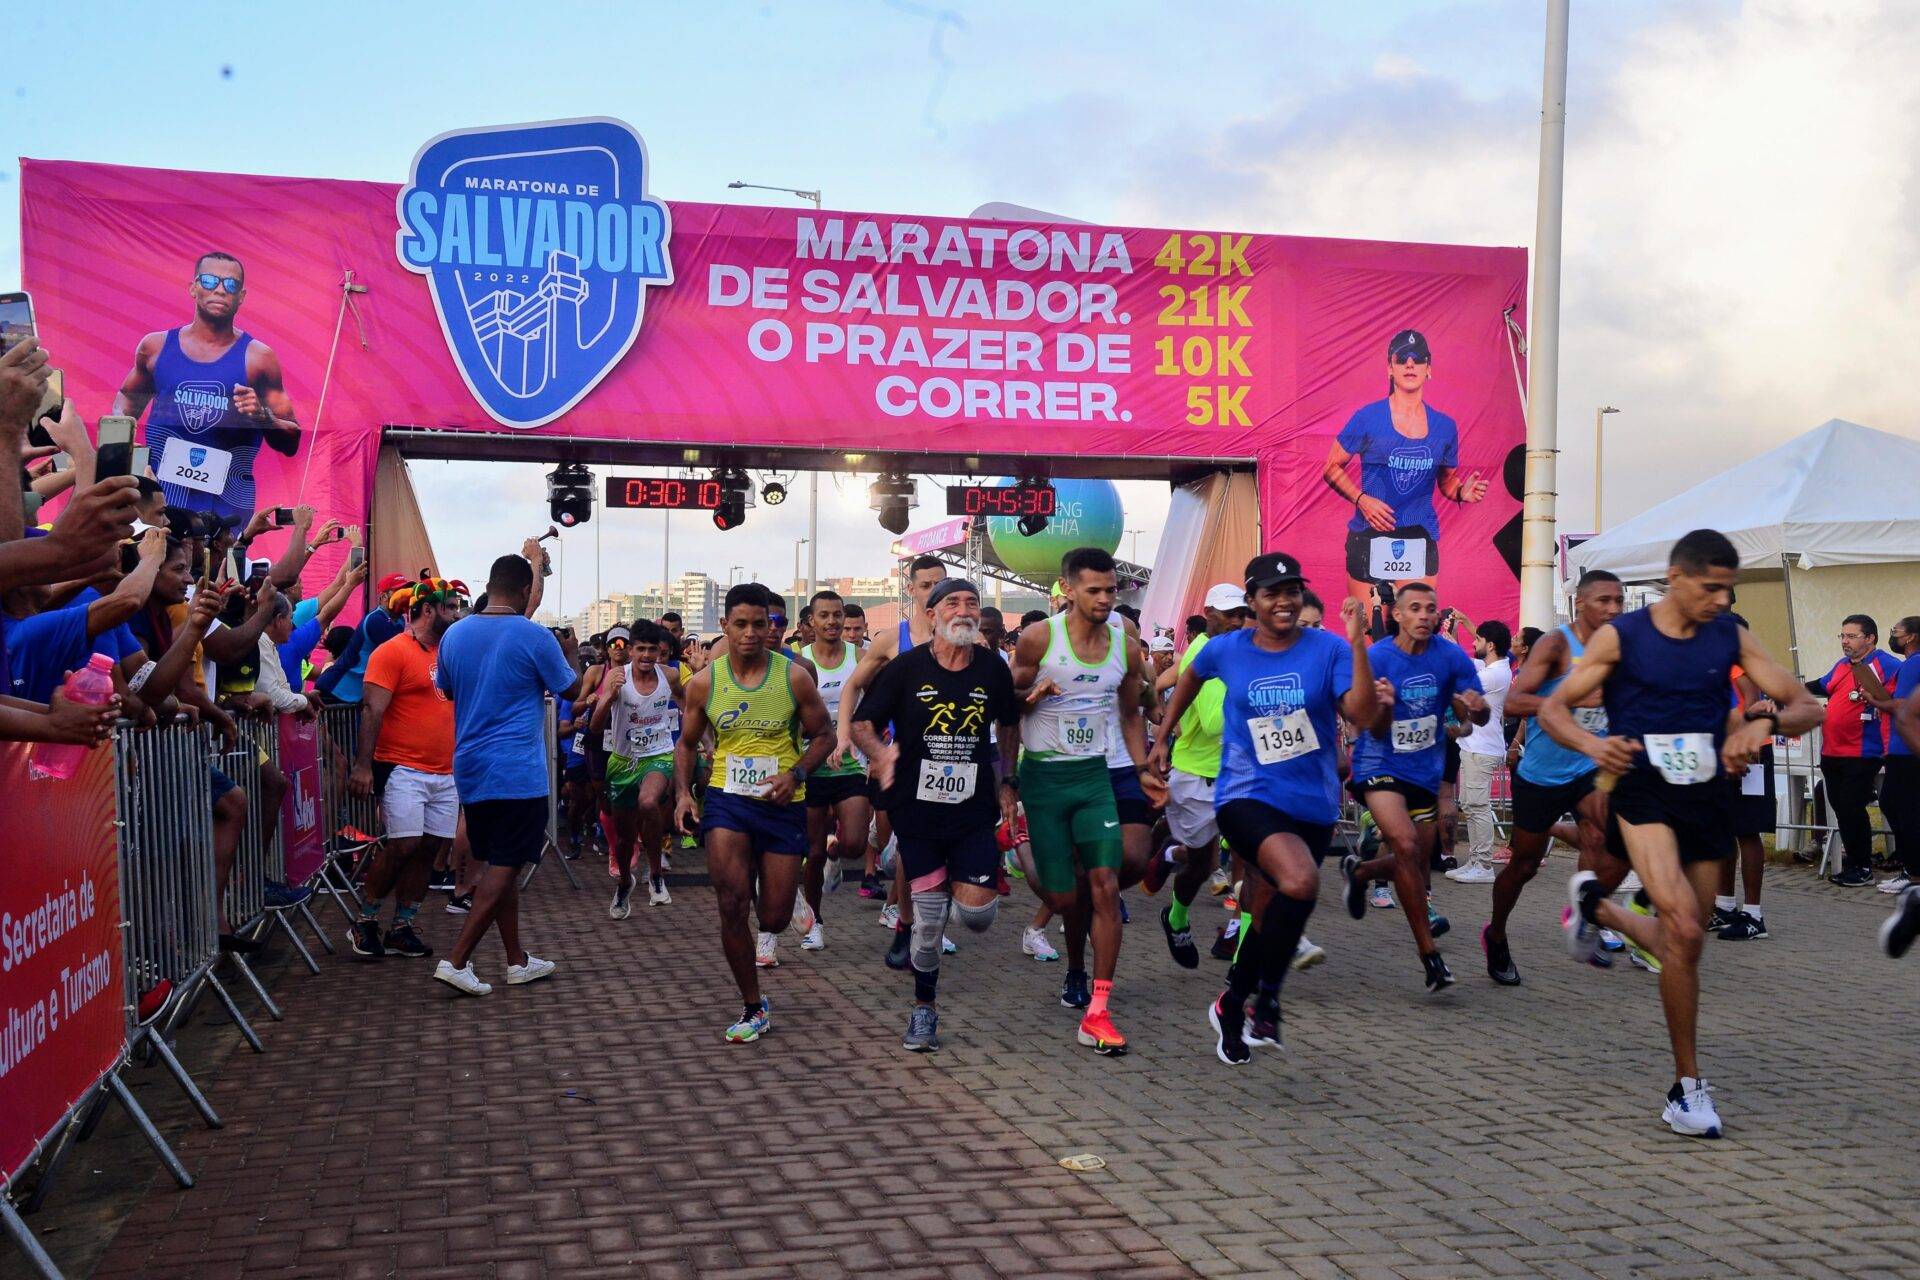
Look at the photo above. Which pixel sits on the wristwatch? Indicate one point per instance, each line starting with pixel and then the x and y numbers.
pixel 799 776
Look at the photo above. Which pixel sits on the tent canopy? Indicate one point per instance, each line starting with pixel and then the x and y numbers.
pixel 1842 494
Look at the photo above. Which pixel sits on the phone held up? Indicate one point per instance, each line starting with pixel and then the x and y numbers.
pixel 115 448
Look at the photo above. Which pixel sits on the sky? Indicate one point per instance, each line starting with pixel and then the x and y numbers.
pixel 1740 229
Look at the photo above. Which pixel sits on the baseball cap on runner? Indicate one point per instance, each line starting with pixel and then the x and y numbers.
pixel 1226 596
pixel 618 633
pixel 1409 342
pixel 1272 569
pixel 1160 644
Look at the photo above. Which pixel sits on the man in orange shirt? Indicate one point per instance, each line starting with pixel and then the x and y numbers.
pixel 406 744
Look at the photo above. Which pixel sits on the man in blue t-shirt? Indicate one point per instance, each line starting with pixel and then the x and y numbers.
pixel 1399 758
pixel 1278 793
pixel 45 646
pixel 498 667
pixel 1408 452
pixel 341 681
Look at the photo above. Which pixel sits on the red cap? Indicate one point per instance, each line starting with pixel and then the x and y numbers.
pixel 393 582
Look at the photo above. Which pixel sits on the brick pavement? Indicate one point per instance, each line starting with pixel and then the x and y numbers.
pixel 1486 1132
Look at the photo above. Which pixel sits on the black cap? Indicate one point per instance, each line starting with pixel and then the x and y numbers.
pixel 1409 342
pixel 1272 569
pixel 946 587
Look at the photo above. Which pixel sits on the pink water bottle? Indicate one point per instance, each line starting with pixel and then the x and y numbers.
pixel 90 686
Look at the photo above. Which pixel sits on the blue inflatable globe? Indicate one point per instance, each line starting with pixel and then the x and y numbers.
pixel 1087 514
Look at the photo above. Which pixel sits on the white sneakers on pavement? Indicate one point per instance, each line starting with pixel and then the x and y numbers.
pixel 1034 942
pixel 803 917
pixel 889 916
pixel 1474 871
pixel 766 954
pixel 461 979
pixel 1307 954
pixel 532 971
pixel 1689 1110
pixel 815 938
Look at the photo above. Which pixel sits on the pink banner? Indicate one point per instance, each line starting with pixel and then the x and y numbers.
pixel 857 332
pixel 300 812
pixel 948 533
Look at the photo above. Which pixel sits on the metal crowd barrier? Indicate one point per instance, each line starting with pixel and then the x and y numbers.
pixel 350 823
pixel 552 741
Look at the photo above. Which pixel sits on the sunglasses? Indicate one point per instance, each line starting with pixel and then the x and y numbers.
pixel 1408 357
pixel 226 284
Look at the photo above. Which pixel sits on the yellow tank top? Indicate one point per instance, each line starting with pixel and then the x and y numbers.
pixel 756 730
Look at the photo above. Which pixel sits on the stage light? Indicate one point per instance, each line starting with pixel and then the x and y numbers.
pixel 1033 525
pixel 893 495
pixel 734 488
pixel 773 493
pixel 570 494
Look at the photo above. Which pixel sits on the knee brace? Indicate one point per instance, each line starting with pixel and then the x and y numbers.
pixel 929 926
pixel 977 919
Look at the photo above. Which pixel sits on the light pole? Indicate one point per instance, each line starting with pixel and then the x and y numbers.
pixel 797 544
pixel 733 573
pixel 1599 420
pixel 1537 528
pixel 789 191
pixel 1135 535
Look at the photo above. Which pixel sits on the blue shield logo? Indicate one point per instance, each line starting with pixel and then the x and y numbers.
pixel 196 455
pixel 538 242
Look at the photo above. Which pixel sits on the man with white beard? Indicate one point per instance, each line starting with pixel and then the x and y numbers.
pixel 937 777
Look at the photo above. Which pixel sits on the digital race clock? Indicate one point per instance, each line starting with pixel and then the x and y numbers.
pixel 663 493
pixel 1000 500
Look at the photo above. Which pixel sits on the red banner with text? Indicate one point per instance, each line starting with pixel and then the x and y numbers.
pixel 62 968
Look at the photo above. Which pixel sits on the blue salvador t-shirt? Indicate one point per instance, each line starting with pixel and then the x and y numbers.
pixel 497 668
pixel 1265 686
pixel 45 646
pixel 1398 471
pixel 1414 747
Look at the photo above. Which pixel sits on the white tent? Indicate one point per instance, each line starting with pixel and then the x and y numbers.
pixel 1827 524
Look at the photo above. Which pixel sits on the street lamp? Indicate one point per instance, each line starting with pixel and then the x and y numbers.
pixel 733 573
pixel 797 544
pixel 786 191
pixel 1599 420
pixel 1135 534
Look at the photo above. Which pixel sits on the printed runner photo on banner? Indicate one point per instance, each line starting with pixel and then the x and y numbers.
pixel 526 279
pixel 63 1017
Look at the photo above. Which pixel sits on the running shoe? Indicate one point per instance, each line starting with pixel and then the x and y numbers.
pixel 1611 941
pixel 1583 891
pixel 1437 924
pixel 613 865
pixel 1745 928
pixel 1227 941
pixel 947 946
pixel 889 916
pixel 459 904
pixel 1499 959
pixel 1034 942
pixel 622 905
pixel 1721 918
pixel 666 863
pixel 1643 958
pixel 803 915
pixel 1158 869
pixel 153 1000
pixel 657 895
pixel 1475 872
pixel 766 952
pixel 1076 992
pixel 1502 856
pixel 1229 1021
pixel 1380 897
pixel 755 1021
pixel 1356 891
pixel 1125 916
pixel 1583 940
pixel 1218 883
pixel 1098 1033
pixel 1899 930
pixel 442 882
pixel 1438 975
pixel 870 887
pixel 1632 883
pixel 461 979
pixel 1445 862
pixel 1231 903
pixel 900 952
pixel 1307 954
pixel 1852 878
pixel 284 896
pixel 532 971
pixel 1689 1109
pixel 364 939
pixel 923 1027
pixel 1895 883
pixel 401 940
pixel 1263 1030
pixel 830 874
pixel 1179 941
pixel 815 939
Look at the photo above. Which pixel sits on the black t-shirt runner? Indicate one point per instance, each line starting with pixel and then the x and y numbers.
pixel 943 782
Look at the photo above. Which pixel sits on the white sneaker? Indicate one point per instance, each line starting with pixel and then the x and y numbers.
pixel 765 955
pixel 1306 954
pixel 1896 883
pixel 1218 882
pixel 666 862
pixel 461 979
pixel 532 971
pixel 1034 942
pixel 884 863
pixel 889 916
pixel 657 895
pixel 1631 884
pixel 1380 896
pixel 815 939
pixel 1689 1110
pixel 946 945
pixel 622 903
pixel 1474 872
pixel 803 916
pixel 830 875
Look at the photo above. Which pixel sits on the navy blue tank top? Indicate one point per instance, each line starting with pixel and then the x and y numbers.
pixel 906 636
pixel 1663 686
pixel 194 402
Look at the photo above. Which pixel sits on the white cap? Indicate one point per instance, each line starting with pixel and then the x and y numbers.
pixel 1160 644
pixel 1226 595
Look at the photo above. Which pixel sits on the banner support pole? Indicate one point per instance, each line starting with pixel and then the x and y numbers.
pixel 1543 356
pixel 37 1256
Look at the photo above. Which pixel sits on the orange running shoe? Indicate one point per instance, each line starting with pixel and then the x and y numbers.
pixel 1098 1033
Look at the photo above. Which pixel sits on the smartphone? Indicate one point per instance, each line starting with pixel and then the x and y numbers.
pixel 141 454
pixel 16 319
pixel 129 557
pixel 116 448
pixel 356 557
pixel 257 571
pixel 236 564
pixel 282 517
pixel 51 401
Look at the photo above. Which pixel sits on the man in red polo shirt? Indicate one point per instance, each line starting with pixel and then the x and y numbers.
pixel 1853 740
